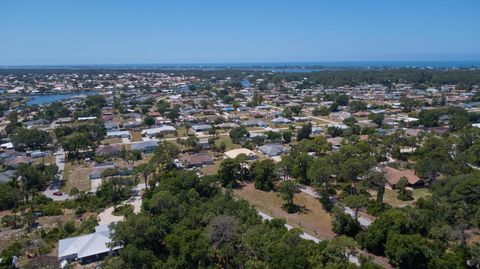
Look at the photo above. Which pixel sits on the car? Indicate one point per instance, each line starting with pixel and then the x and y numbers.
pixel 58 193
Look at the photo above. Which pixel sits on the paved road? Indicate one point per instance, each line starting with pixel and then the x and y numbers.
pixel 60 162
pixel 305 235
pixel 364 221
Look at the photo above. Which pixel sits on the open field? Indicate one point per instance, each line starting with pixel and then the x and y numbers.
pixel 76 176
pixel 313 219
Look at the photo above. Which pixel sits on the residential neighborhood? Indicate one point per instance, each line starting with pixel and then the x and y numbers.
pixel 86 156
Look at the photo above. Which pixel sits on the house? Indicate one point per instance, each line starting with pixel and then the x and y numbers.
pixel 255 123
pixel 145 146
pixel 35 122
pixel 87 248
pixel 64 120
pixel 394 175
pixel 201 127
pixel 228 125
pixel 111 126
pixel 272 150
pixel 281 121
pixel 316 130
pixel 120 134
pixel 153 132
pixel 109 150
pixel 132 124
pixel 232 154
pixel 196 160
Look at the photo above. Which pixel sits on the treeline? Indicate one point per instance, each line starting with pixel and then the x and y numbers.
pixel 188 222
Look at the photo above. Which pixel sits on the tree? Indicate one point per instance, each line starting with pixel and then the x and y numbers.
pixel 238 134
pixel 342 100
pixel 162 107
pixel 164 155
pixel 76 142
pixel 377 118
pixel 229 172
pixel 287 190
pixel 143 170
pixel 287 113
pixel 320 173
pixel 340 249
pixel 174 113
pixel 403 193
pixel 344 224
pixel 31 138
pixel 377 181
pixel 304 132
pixel 223 233
pixel 287 137
pixel 356 201
pixel 409 251
pixel 263 173
pixel 149 121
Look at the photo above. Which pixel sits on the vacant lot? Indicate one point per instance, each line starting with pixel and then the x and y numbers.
pixel 136 136
pixel 76 176
pixel 313 219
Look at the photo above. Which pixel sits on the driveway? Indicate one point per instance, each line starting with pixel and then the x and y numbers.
pixel 60 162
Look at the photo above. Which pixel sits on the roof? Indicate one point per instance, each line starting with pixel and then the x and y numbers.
pixel 161 129
pixel 394 175
pixel 144 145
pixel 86 245
pixel 197 159
pixel 232 154
pixel 272 149
pixel 281 120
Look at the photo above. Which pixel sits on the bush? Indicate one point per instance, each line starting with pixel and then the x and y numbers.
pixel 405 195
pixel 123 210
pixel 344 224
pixel 375 209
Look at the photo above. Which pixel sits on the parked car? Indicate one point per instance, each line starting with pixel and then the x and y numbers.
pixel 58 193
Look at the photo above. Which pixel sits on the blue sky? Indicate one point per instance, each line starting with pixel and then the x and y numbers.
pixel 202 31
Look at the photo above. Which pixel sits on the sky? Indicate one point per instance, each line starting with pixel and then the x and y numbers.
pixel 49 32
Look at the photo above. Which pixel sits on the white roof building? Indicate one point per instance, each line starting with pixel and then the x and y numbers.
pixel 232 154
pixel 158 130
pixel 87 247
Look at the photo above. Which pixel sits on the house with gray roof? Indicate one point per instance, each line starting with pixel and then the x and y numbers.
pixel 87 248
pixel 145 146
pixel 272 150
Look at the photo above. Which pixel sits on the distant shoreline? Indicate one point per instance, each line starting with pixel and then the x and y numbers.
pixel 263 66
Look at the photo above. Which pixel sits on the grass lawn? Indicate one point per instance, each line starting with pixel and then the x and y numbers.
pixel 390 197
pixel 228 142
pixel 211 169
pixel 114 140
pixel 313 219
pixel 136 136
pixel 76 176
pixel 46 160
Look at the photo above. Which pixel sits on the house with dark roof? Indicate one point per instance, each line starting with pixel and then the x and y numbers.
pixel 196 160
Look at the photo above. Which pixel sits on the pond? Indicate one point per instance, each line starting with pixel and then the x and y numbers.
pixel 42 99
